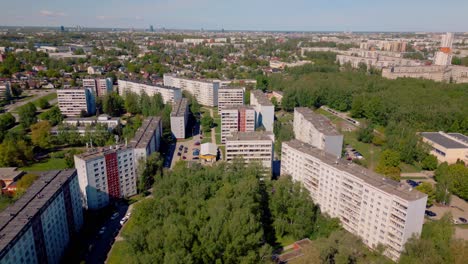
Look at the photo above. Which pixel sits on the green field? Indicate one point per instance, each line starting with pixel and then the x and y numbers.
pixel 48 97
pixel 370 152
pixel 120 253
pixel 49 164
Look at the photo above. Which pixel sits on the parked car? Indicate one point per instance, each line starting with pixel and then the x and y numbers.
pixel 184 157
pixel 102 230
pixel 115 215
pixel 463 220
pixel 430 213
pixel 197 143
pixel 179 154
pixel 412 183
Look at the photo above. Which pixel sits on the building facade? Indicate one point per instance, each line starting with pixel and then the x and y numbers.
pixel 4 90
pixel 264 110
pixel 100 86
pixel 452 73
pixel 206 92
pixel 147 139
pixel 110 122
pixel 179 118
pixel 230 97
pixel 168 94
pixel 251 147
pixel 106 174
pixel 234 119
pixel 39 226
pixel 377 209
pixel 73 101
pixel 317 131
pixel 447 147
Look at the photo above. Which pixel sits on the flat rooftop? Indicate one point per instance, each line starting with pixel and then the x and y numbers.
pixel 261 97
pixel 245 136
pixel 446 140
pixel 145 132
pixel 149 84
pixel 379 181
pixel 17 216
pixel 9 173
pixel 189 79
pixel 238 107
pixel 102 151
pixel 320 122
pixel 459 136
pixel 179 107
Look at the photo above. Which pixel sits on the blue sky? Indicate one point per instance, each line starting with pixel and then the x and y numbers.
pixel 307 15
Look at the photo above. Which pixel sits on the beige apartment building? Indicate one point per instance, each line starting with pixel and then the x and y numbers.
pixel 235 119
pixel 168 94
pixel 375 208
pixel 206 92
pixel 447 147
pixel 230 97
pixel 179 118
pixel 73 101
pixel 264 110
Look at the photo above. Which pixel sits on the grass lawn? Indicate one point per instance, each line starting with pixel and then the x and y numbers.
pixel 50 164
pixel 207 135
pixel 330 116
pixel 47 97
pixel 120 253
pixel 370 152
pixel 218 138
pixel 409 168
pixel 206 140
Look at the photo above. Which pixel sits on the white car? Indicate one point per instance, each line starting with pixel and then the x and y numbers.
pixel 115 215
pixel 102 230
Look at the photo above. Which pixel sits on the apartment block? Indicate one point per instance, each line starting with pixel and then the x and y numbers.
pixel 100 86
pixel 169 94
pixel 106 174
pixel 110 122
pixel 234 119
pixel 264 109
pixel 317 130
pixel 251 147
pixel 229 97
pixel 375 208
pixel 206 92
pixel 147 139
pixel 38 227
pixel 4 89
pixel 72 101
pixel 447 147
pixel 179 118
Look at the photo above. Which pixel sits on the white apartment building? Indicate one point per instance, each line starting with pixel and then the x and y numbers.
pixel 317 130
pixel 99 86
pixel 110 122
pixel 105 174
pixel 206 92
pixel 251 147
pixel 234 119
pixel 147 139
pixel 179 118
pixel 4 88
pixel 230 97
pixel 169 94
pixel 72 101
pixel 264 109
pixel 377 209
pixel 378 62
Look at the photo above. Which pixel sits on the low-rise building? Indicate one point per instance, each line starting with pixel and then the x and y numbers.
pixel 447 147
pixel 375 208
pixel 110 122
pixel 264 110
pixel 205 91
pixel 452 73
pixel 251 147
pixel 8 176
pixel 75 100
pixel 234 119
pixel 38 227
pixel 168 94
pixel 317 130
pixel 179 118
pixel 106 174
pixel 230 97
pixel 147 139
pixel 95 70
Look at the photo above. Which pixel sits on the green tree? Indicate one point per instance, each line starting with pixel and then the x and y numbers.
pixel 388 164
pixel 427 188
pixel 27 115
pixel 366 134
pixel 40 134
pixel 7 121
pixel 429 162
pixel 15 153
pixel 148 170
pixel 207 123
pixel 113 104
pixel 43 103
pixel 54 116
pixel 132 103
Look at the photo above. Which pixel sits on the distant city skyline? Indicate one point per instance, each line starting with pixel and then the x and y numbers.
pixel 293 15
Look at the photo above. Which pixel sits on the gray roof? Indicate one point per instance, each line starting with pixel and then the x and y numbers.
pixel 18 216
pixel 245 136
pixel 320 122
pixel 9 173
pixel 460 137
pixel 261 97
pixel 443 140
pixel 100 152
pixel 377 180
pixel 179 107
pixel 145 132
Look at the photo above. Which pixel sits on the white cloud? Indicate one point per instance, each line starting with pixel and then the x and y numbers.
pixel 48 13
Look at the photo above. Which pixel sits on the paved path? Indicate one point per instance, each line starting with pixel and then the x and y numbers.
pixel 213 130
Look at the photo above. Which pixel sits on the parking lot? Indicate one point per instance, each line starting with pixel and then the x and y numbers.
pixel 183 150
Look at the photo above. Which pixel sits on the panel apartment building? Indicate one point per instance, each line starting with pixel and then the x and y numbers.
pixel 168 94
pixel 234 119
pixel 105 174
pixel 179 118
pixel 38 227
pixel 206 92
pixel 99 86
pixel 4 89
pixel 72 101
pixel 147 139
pixel 251 147
pixel 264 109
pixel 377 209
pixel 317 131
pixel 229 97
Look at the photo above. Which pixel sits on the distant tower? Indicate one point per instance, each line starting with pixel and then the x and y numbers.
pixel 443 57
pixel 62 28
pixel 151 29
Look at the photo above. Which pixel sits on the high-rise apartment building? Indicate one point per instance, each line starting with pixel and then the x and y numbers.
pixel 206 92
pixel 229 97
pixel 179 118
pixel 377 209
pixel 73 101
pixel 264 109
pixel 4 89
pixel 317 131
pixel 251 147
pixel 100 86
pixel 147 139
pixel 38 227
pixel 234 119
pixel 168 94
pixel 105 174
pixel 443 57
